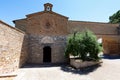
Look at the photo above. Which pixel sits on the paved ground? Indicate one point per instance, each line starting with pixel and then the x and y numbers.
pixel 109 70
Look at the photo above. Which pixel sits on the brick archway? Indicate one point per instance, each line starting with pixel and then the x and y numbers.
pixel 47 39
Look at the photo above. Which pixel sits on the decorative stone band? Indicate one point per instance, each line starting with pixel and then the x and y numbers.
pixel 48 39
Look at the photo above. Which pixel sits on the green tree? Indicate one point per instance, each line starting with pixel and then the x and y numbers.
pixel 115 18
pixel 83 45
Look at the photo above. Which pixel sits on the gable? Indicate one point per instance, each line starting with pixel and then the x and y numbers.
pixel 43 12
pixel 47 23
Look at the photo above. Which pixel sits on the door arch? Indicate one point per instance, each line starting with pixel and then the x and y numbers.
pixel 47 54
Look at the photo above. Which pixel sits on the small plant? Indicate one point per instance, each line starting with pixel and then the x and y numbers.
pixel 84 45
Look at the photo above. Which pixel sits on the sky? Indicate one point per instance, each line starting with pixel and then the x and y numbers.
pixel 79 10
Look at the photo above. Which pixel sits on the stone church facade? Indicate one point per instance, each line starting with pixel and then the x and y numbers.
pixel 46 33
pixel 41 38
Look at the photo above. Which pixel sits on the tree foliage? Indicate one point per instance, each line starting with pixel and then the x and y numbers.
pixel 115 18
pixel 83 45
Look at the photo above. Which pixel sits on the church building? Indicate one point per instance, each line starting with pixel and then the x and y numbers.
pixel 46 33
pixel 41 38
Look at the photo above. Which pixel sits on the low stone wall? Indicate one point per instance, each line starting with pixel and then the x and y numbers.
pixel 10 76
pixel 6 78
pixel 81 64
pixel 11 40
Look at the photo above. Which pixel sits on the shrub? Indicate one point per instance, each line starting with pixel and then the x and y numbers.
pixel 84 45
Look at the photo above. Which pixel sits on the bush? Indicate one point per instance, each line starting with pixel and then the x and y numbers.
pixel 83 45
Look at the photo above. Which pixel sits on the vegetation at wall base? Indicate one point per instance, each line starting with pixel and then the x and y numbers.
pixel 84 45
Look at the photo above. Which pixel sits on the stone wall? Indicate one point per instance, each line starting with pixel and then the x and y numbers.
pixel 36 46
pixel 11 40
pixel 111 45
pixel 96 27
pixel 21 24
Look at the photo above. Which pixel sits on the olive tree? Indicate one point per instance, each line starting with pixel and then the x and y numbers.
pixel 84 45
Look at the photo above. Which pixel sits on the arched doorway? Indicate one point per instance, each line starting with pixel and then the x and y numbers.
pixel 47 54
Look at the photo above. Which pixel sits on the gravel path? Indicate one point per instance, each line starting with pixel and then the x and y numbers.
pixel 109 70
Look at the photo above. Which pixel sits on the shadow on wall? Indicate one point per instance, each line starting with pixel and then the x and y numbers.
pixel 24 52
